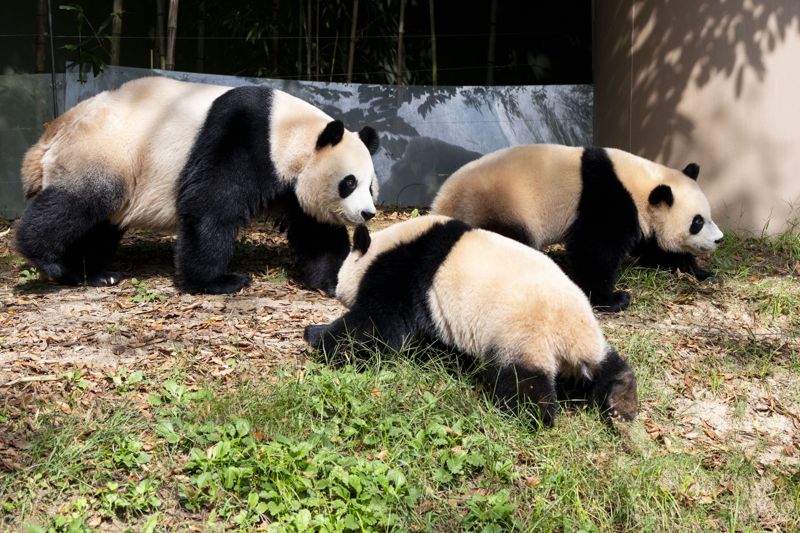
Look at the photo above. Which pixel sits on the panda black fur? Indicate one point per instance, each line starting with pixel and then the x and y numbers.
pixel 203 159
pixel 497 301
pixel 603 203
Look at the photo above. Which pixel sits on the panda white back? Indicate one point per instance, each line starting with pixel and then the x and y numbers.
pixel 494 292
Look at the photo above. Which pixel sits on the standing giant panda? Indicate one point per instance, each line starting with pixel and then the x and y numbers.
pixel 604 203
pixel 164 154
pixel 487 296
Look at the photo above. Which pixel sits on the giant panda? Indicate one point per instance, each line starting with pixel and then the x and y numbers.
pixel 603 203
pixel 490 298
pixel 201 159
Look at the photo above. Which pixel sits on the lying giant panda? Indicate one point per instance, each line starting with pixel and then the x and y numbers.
pixel 487 296
pixel 602 202
pixel 165 154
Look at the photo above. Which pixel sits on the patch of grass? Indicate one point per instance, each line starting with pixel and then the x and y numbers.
pixel 775 298
pixel 393 445
pixel 276 275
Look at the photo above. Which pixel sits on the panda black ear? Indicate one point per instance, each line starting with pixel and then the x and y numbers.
pixel 361 239
pixel 370 138
pixel 662 193
pixel 331 135
pixel 692 170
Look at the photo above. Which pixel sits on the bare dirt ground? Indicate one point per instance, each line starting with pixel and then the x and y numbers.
pixel 724 355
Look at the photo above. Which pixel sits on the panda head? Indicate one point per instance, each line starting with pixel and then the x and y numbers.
pixel 338 183
pixel 681 214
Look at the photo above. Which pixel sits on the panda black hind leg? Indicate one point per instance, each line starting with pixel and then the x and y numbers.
pixel 65 231
pixel 515 387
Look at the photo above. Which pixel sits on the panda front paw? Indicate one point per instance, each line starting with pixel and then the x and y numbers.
pixel 312 334
pixel 702 275
pixel 616 302
pixel 104 279
pixel 225 284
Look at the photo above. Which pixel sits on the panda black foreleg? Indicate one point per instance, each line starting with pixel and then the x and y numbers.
pixel 595 269
pixel 64 231
pixel 358 333
pixel 92 254
pixel 319 249
pixel 649 254
pixel 613 387
pixel 203 251
pixel 514 387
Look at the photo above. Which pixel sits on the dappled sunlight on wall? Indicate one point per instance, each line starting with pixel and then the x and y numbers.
pixel 712 81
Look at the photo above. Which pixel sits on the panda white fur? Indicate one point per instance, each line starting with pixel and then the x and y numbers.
pixel 603 203
pixel 164 154
pixel 489 297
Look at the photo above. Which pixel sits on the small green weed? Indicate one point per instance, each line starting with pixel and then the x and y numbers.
pixel 124 382
pixel 28 275
pixel 127 453
pixel 144 293
pixel 130 498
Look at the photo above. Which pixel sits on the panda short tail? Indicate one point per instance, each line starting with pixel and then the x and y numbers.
pixel 361 239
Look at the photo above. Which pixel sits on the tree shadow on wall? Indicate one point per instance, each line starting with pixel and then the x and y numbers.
pixel 674 48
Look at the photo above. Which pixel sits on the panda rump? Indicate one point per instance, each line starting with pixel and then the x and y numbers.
pixel 493 299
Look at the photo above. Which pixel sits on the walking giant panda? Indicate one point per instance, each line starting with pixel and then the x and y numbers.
pixel 602 202
pixel 487 296
pixel 165 154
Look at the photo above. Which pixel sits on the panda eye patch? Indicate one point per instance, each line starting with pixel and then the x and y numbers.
pixel 697 225
pixel 347 185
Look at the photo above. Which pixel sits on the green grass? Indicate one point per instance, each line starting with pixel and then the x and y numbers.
pixel 395 445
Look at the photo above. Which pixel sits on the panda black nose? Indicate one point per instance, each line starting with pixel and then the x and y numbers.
pixel 719 240
pixel 367 215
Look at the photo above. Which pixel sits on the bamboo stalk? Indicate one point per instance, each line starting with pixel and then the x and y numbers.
pixel 433 44
pixel 116 31
pixel 492 39
pixel 201 38
pixel 276 4
pixel 172 30
pixel 352 51
pixel 41 36
pixel 400 32
pixel 159 35
pixel 308 40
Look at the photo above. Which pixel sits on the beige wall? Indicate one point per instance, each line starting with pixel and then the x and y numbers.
pixel 711 81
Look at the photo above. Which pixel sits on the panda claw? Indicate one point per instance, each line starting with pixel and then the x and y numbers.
pixel 104 280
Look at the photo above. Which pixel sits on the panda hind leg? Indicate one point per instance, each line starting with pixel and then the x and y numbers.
pixel 65 232
pixel 516 387
pixel 613 388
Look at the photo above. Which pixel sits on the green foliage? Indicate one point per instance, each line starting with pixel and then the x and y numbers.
pixel 144 293
pixel 71 520
pixel 124 382
pixel 28 275
pixel 130 498
pixel 90 52
pixel 127 453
